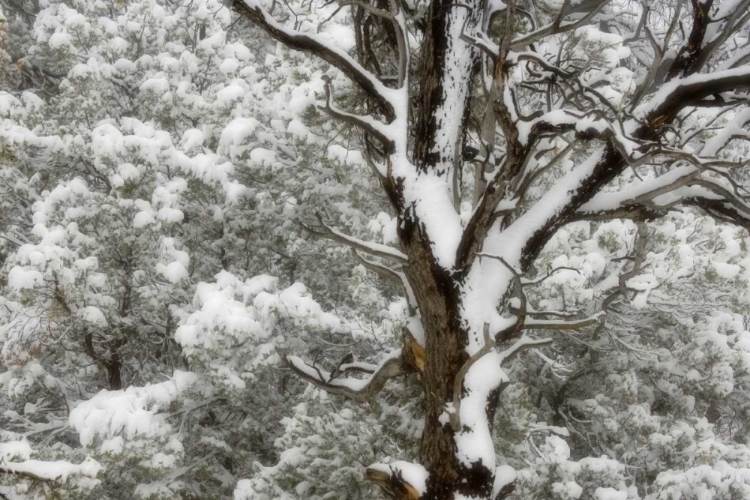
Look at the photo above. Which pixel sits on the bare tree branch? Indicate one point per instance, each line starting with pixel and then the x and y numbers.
pixel 392 274
pixel 523 344
pixel 557 27
pixel 540 324
pixel 365 246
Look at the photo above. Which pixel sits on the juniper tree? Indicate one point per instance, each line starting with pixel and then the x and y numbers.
pixel 491 125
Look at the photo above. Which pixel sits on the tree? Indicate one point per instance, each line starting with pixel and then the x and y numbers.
pixel 563 112
pixel 140 190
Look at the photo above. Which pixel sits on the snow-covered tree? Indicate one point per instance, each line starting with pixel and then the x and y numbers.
pixel 170 153
pixel 491 127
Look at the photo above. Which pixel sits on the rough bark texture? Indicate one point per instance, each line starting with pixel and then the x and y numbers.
pixel 437 289
pixel 444 357
pixel 438 298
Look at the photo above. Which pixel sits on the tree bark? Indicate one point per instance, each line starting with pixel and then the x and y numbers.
pixel 439 300
pixel 437 297
pixel 445 88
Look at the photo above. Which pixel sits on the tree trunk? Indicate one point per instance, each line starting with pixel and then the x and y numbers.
pixel 114 366
pixel 444 357
pixel 438 296
pixel 447 69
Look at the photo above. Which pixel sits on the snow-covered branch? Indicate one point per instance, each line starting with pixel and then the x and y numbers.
pixel 401 480
pixel 314 44
pixel 458 381
pixel 366 123
pixel 541 324
pixel 57 471
pixel 732 211
pixel 684 185
pixel 361 390
pixel 523 344
pixel 691 90
pixel 550 272
pixel 376 249
pixel 393 274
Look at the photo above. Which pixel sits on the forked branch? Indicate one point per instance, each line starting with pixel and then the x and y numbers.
pixel 365 123
pixel 393 274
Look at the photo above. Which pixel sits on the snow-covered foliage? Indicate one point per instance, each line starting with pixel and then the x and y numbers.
pixel 145 204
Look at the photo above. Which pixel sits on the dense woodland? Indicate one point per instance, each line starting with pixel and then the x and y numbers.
pixel 362 249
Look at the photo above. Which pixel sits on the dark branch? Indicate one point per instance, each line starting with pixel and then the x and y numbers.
pixel 360 390
pixel 309 43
